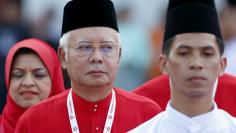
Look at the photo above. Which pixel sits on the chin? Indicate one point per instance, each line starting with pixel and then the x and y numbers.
pixel 98 82
pixel 28 104
pixel 195 93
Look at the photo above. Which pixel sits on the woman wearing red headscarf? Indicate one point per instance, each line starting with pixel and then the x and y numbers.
pixel 33 73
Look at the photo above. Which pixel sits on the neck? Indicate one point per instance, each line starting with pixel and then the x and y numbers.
pixel 192 106
pixel 92 94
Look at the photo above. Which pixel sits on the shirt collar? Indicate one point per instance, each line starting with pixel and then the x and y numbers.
pixel 192 123
pixel 87 106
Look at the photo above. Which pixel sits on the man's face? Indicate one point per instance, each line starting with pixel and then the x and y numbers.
pixel 92 57
pixel 193 64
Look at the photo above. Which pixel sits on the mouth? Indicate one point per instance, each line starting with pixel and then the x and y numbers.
pixel 96 72
pixel 28 93
pixel 196 78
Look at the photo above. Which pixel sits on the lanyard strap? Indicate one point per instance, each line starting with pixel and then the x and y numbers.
pixel 109 119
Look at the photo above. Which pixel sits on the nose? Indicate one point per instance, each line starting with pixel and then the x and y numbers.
pixel 196 66
pixel 196 63
pixel 96 56
pixel 28 81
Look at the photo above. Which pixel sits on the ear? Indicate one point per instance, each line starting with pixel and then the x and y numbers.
pixel 62 56
pixel 120 51
pixel 223 64
pixel 163 62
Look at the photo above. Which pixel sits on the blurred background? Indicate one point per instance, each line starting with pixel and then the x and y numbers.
pixel 141 30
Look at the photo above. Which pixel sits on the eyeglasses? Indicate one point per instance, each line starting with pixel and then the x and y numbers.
pixel 86 48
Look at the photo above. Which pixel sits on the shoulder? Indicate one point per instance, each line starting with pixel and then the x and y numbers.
pixel 157 89
pixel 151 125
pixel 226 93
pixel 153 84
pixel 57 98
pixel 227 118
pixel 47 110
pixel 134 100
pixel 47 104
pixel 227 79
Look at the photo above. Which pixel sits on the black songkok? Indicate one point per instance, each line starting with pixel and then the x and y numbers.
pixel 88 13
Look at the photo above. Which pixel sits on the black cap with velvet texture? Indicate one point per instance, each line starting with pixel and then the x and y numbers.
pixel 88 13
pixel 190 16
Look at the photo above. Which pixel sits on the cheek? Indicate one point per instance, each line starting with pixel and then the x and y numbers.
pixel 174 67
pixel 45 88
pixel 76 65
pixel 215 68
pixel 113 65
pixel 14 86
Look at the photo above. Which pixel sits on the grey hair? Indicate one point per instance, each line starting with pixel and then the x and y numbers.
pixel 62 44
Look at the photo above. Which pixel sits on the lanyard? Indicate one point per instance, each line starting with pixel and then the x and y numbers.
pixel 72 116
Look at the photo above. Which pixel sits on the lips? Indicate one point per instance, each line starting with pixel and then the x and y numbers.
pixel 197 78
pixel 28 92
pixel 95 71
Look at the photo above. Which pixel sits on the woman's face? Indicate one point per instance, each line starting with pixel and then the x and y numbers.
pixel 30 81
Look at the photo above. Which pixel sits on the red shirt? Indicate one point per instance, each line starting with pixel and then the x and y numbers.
pixel 51 116
pixel 158 89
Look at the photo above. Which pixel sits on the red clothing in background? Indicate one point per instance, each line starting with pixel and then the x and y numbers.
pixel 48 56
pixel 51 116
pixel 158 89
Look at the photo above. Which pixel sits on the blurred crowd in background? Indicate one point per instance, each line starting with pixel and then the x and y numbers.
pixel 141 30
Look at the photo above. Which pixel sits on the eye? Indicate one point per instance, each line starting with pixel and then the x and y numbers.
pixel 40 74
pixel 17 73
pixel 183 53
pixel 208 53
pixel 106 47
pixel 85 47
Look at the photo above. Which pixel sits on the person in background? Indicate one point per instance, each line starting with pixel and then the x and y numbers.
pixel 12 30
pixel 33 73
pixel 192 57
pixel 228 26
pixel 156 38
pixel 90 50
pixel 133 69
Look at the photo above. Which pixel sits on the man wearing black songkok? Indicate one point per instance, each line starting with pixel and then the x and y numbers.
pixel 192 57
pixel 90 51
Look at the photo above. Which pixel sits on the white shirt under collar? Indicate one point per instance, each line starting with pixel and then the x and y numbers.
pixel 172 121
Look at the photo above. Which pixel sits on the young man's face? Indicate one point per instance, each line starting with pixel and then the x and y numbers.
pixel 193 64
pixel 92 58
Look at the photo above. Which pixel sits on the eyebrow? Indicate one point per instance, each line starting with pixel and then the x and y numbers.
pixel 35 69
pixel 208 47
pixel 84 42
pixel 105 41
pixel 39 69
pixel 182 46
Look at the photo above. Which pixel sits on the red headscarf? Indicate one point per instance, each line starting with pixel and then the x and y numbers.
pixel 48 56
